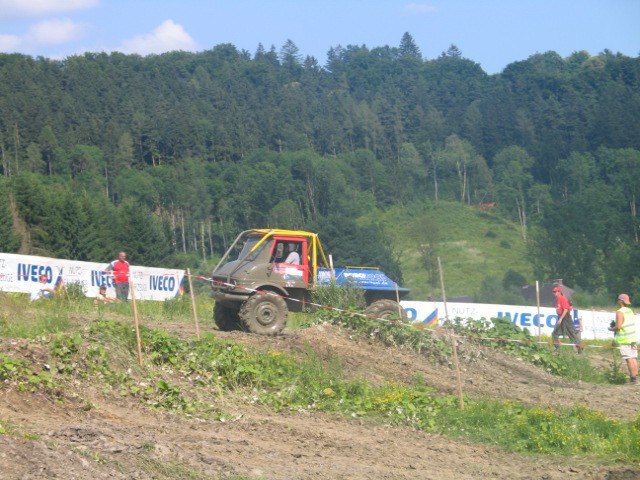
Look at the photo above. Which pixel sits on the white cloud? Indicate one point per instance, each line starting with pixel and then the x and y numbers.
pixel 167 37
pixel 419 8
pixel 42 34
pixel 54 32
pixel 31 8
pixel 10 43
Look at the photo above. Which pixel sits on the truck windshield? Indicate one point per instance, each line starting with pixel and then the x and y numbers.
pixel 246 253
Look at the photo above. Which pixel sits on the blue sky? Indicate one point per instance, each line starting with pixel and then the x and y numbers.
pixel 492 33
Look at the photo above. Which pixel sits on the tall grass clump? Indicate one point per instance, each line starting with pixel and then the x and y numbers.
pixel 334 300
pixel 500 333
pixel 20 318
pixel 347 311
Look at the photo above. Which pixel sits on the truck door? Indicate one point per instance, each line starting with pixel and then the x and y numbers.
pixel 292 261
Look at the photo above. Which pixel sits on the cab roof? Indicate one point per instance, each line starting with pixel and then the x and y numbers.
pixel 279 231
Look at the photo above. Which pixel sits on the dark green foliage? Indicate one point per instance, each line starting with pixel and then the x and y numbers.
pixel 358 245
pixel 9 239
pixel 513 280
pixel 208 144
pixel 492 290
pixel 141 235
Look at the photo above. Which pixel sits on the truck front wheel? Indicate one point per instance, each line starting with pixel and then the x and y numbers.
pixel 264 313
pixel 226 318
pixel 386 309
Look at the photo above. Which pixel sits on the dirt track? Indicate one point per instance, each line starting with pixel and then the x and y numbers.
pixel 120 439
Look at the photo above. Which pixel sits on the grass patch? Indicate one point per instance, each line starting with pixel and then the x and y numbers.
pixel 513 427
pixel 44 317
pixel 472 245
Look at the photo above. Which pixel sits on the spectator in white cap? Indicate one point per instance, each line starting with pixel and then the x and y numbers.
pixel 624 336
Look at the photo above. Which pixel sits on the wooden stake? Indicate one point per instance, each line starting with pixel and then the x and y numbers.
pixel 538 305
pixel 193 303
pixel 135 319
pixel 453 338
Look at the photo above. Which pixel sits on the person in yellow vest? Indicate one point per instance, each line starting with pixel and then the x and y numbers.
pixel 625 335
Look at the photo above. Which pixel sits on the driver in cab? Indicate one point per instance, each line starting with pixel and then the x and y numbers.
pixel 291 255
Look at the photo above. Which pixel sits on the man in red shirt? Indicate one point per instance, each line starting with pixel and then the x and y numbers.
pixel 120 269
pixel 564 325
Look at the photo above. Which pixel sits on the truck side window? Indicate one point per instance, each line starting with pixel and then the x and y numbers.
pixel 278 253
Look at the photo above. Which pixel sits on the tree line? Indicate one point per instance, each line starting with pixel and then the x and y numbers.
pixel 173 154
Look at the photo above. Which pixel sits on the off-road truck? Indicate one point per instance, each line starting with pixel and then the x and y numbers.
pixel 255 291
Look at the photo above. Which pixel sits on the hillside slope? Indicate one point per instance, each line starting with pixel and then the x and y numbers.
pixel 472 244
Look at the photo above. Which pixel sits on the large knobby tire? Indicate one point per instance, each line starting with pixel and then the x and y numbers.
pixel 386 309
pixel 264 313
pixel 226 318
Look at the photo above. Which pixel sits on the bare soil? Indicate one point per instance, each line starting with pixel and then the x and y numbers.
pixel 119 438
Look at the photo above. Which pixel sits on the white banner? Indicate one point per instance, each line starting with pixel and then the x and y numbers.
pixel 432 314
pixel 19 273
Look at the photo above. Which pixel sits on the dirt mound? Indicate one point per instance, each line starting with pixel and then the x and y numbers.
pixel 119 438
pixel 485 372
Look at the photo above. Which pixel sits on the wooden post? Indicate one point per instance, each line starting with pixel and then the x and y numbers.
pixel 333 272
pixel 453 338
pixel 538 305
pixel 193 303
pixel 135 319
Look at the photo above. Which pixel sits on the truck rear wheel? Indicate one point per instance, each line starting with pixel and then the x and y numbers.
pixel 226 318
pixel 264 313
pixel 386 309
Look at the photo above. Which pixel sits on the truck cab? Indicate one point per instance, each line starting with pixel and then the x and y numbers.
pixel 267 272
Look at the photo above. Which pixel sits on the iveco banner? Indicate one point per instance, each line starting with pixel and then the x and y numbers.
pixel 431 314
pixel 19 273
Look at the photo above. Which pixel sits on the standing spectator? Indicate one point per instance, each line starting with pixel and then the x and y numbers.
pixel 120 269
pixel 41 290
pixel 624 329
pixel 564 325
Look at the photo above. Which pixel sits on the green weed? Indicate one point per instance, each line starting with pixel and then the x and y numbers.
pixel 340 297
pixel 394 332
pixel 16 372
pixel 502 334
pixel 514 427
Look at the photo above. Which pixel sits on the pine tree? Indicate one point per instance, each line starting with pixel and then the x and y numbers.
pixel 9 239
pixel 408 47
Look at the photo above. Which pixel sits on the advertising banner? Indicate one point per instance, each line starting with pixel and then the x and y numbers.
pixel 432 314
pixel 20 273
